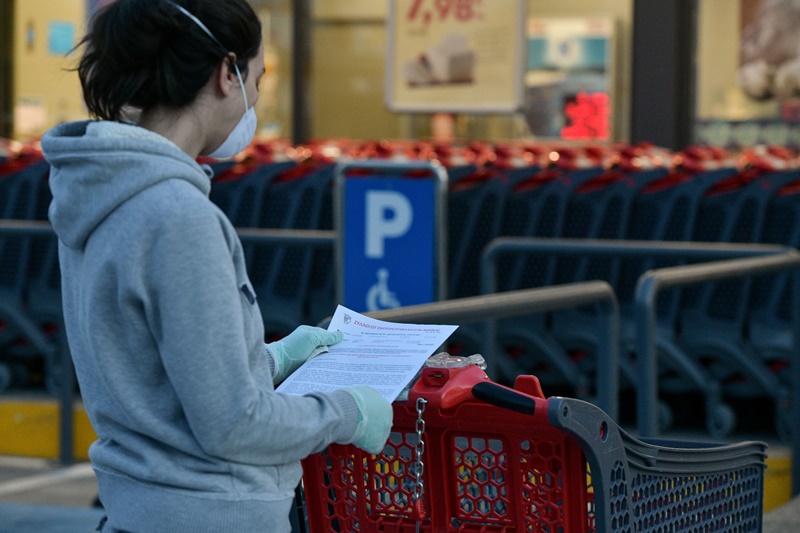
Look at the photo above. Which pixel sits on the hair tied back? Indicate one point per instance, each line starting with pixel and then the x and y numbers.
pixel 199 23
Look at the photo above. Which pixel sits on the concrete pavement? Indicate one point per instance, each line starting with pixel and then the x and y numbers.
pixel 40 496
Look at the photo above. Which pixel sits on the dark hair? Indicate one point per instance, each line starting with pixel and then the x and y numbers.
pixel 147 53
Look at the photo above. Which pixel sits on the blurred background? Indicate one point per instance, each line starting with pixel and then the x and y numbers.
pixel 688 72
pixel 582 100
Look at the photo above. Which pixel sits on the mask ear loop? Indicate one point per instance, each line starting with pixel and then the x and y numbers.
pixel 241 84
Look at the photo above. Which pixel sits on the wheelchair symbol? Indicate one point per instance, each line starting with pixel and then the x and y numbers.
pixel 379 296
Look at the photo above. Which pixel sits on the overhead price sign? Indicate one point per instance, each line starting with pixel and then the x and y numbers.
pixel 455 55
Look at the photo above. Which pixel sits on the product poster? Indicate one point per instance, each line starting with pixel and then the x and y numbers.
pixel 455 55
pixel 769 49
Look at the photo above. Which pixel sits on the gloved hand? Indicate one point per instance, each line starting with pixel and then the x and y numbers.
pixel 374 420
pixel 292 351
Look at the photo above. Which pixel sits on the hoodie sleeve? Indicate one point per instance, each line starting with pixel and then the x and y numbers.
pixel 208 342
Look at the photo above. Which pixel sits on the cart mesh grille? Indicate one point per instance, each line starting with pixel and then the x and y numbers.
pixel 726 502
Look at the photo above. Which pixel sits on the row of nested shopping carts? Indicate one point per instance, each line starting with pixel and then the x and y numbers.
pixel 622 193
pixel 631 193
pixel 467 454
pixel 736 334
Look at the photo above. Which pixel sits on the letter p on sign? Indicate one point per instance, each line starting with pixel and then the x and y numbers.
pixel 388 215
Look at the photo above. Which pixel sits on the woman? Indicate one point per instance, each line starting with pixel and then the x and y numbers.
pixel 161 318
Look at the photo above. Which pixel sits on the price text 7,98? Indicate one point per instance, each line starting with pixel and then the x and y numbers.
pixel 425 11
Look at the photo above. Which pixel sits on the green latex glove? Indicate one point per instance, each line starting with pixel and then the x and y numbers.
pixel 374 421
pixel 292 351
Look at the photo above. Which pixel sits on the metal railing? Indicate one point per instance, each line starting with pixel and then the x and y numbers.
pixel 654 281
pixel 59 348
pixel 488 307
pixel 502 246
pixel 463 310
pixel 289 237
pixel 728 261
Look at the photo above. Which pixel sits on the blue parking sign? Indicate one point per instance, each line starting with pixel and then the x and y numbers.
pixel 390 236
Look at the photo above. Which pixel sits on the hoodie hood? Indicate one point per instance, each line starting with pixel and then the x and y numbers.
pixel 96 166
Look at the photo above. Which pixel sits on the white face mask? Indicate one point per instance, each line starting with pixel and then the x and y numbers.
pixel 241 135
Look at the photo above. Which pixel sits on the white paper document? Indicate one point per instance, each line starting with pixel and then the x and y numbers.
pixel 383 355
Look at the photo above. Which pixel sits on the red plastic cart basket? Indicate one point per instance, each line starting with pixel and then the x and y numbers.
pixel 495 459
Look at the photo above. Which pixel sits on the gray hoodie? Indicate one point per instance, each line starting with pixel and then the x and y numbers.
pixel 167 341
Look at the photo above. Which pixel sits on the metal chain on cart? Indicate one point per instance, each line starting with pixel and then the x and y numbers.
pixel 419 466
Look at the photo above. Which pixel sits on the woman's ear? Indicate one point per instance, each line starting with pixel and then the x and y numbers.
pixel 225 78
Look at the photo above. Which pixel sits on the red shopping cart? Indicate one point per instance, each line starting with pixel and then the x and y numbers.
pixel 469 455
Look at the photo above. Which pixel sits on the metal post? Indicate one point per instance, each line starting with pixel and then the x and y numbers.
pixel 6 68
pixel 646 357
pixel 301 66
pixel 664 35
pixel 608 356
pixel 795 376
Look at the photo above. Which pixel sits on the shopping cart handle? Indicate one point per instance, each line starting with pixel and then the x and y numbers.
pixel 504 397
